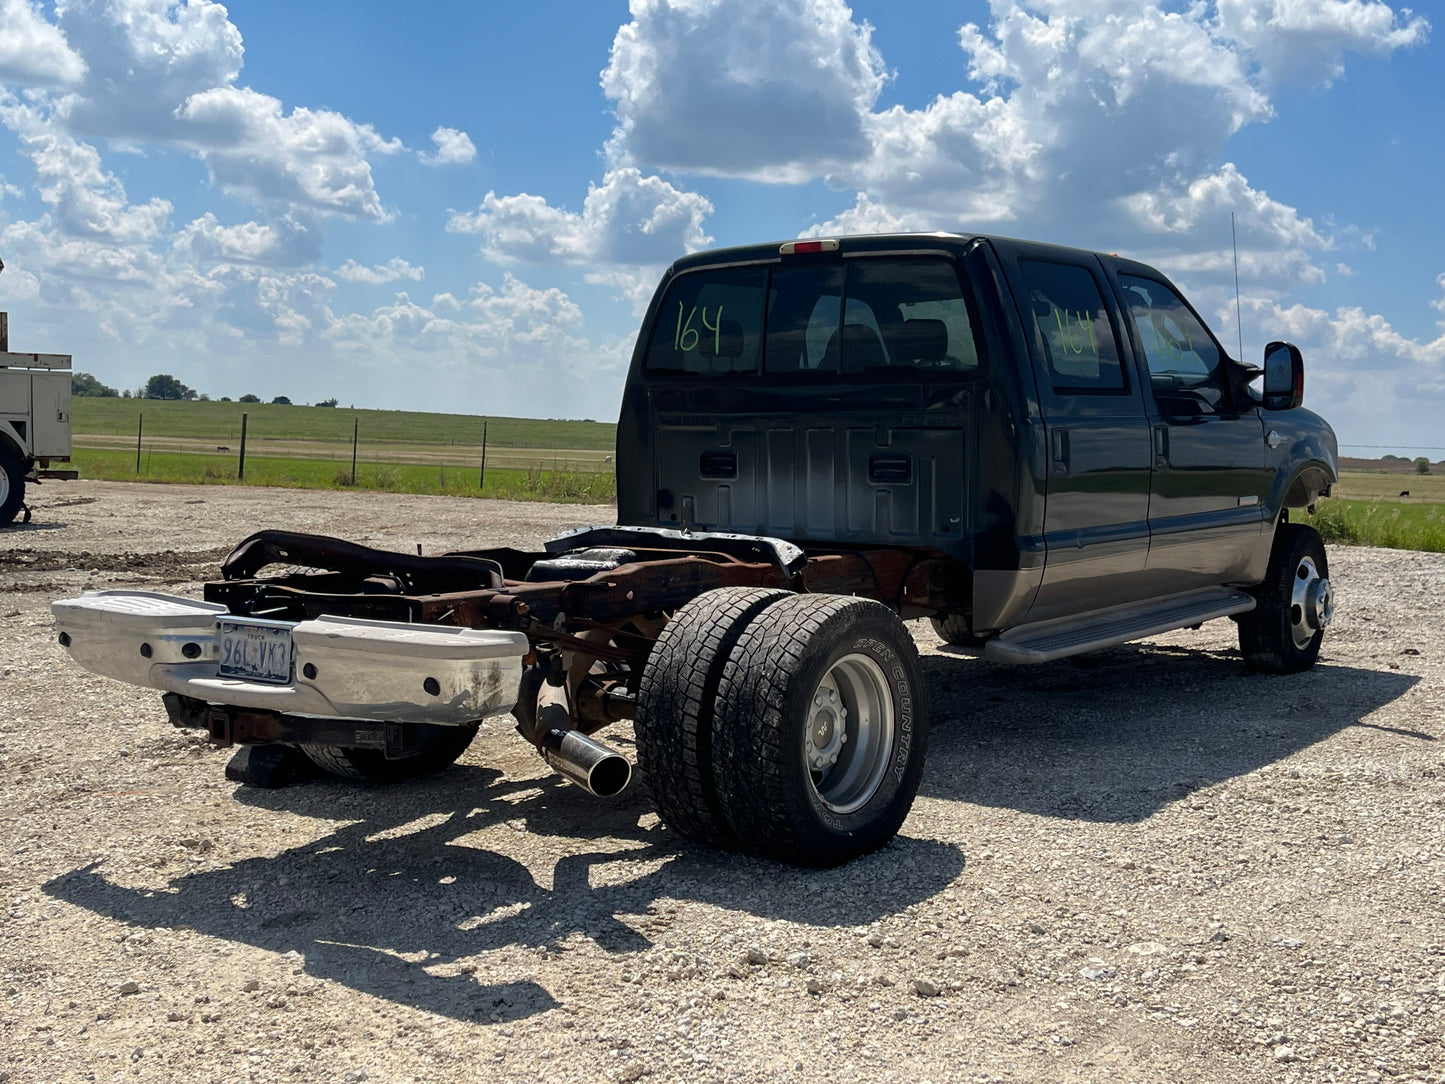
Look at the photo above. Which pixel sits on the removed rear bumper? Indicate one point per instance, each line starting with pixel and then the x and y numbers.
pixel 361 669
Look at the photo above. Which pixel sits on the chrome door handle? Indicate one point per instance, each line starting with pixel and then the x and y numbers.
pixel 1274 440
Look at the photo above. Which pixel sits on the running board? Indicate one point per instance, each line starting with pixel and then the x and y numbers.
pixel 1057 639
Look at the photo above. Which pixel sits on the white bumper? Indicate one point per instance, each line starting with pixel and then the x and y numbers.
pixel 347 667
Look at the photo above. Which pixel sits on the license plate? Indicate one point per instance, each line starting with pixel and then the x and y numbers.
pixel 255 651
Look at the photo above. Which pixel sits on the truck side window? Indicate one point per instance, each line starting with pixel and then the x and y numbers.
pixel 710 322
pixel 1080 346
pixel 1185 371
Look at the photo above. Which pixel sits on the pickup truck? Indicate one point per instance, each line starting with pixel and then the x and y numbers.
pixel 1042 450
pixel 34 421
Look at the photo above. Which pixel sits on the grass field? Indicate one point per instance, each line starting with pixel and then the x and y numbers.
pixel 593 487
pixel 1366 485
pixel 220 423
pixel 1392 524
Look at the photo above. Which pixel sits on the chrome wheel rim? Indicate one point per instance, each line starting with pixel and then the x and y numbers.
pixel 848 740
pixel 4 486
pixel 1311 603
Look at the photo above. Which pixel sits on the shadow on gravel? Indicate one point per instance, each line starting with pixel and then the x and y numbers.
pixel 407 888
pixel 1121 734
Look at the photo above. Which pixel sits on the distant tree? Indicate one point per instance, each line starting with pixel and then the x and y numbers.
pixel 1389 458
pixel 328 402
pixel 85 385
pixel 125 394
pixel 203 397
pixel 224 399
pixel 282 400
pixel 165 386
pixel 249 399
pixel 1422 465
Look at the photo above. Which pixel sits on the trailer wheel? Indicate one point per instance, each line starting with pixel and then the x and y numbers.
pixel 434 752
pixel 820 730
pixel 1283 633
pixel 675 700
pixel 12 483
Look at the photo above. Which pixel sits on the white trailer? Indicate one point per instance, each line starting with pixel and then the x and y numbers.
pixel 34 422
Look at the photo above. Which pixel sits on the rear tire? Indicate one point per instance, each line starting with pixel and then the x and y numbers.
pixel 1283 633
pixel 675 702
pixel 12 484
pixel 434 752
pixel 820 731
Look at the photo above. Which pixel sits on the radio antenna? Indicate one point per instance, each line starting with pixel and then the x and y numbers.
pixel 1238 311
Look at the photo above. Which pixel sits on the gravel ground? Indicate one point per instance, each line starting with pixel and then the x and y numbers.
pixel 1146 867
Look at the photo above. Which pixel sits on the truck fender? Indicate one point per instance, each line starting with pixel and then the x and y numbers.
pixel 10 436
pixel 1310 478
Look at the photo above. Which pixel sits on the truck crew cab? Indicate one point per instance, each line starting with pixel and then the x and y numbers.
pixel 1043 450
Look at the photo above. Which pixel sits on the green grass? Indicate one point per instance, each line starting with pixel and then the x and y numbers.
pixel 1365 485
pixel 1392 524
pixel 220 423
pixel 517 485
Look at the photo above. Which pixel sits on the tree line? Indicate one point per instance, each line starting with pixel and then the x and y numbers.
pixel 164 386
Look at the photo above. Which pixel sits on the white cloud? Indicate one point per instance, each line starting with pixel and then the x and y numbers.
pixel 34 53
pixel 86 201
pixel 752 88
pixel 393 270
pixel 453 148
pixel 627 220
pixel 308 158
pixel 164 72
pixel 1306 40
pixel 287 241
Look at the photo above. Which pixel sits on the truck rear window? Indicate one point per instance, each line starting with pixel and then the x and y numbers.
pixel 885 316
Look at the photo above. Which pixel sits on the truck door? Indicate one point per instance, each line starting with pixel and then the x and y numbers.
pixel 1096 529
pixel 1207 497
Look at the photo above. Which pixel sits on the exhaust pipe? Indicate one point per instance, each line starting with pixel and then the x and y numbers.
pixel 590 764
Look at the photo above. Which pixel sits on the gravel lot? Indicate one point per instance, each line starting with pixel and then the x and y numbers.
pixel 1147 867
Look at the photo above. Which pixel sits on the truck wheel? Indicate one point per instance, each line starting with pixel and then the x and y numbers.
pixel 434 752
pixel 953 629
pixel 675 701
pixel 820 730
pixel 1282 634
pixel 12 484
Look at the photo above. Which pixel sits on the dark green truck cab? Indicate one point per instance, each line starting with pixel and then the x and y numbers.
pixel 1059 424
pixel 1043 450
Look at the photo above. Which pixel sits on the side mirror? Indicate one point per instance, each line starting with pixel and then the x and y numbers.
pixel 1284 376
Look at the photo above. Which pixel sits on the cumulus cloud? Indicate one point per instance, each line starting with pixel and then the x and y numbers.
pixel 453 148
pixel 628 227
pixel 286 241
pixel 139 72
pixel 33 53
pixel 391 271
pixel 750 88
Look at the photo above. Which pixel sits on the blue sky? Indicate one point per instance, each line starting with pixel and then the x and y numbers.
pixel 465 207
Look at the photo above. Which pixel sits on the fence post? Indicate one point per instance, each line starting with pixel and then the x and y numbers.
pixel 355 429
pixel 140 423
pixel 241 467
pixel 482 481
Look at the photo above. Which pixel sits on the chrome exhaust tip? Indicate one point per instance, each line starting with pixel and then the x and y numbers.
pixel 590 764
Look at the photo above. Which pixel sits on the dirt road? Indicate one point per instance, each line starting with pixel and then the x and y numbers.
pixel 1149 867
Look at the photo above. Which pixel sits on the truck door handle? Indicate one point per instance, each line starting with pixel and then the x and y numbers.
pixel 1059 447
pixel 1161 445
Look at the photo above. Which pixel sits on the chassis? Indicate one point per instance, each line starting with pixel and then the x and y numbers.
pixel 604 624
